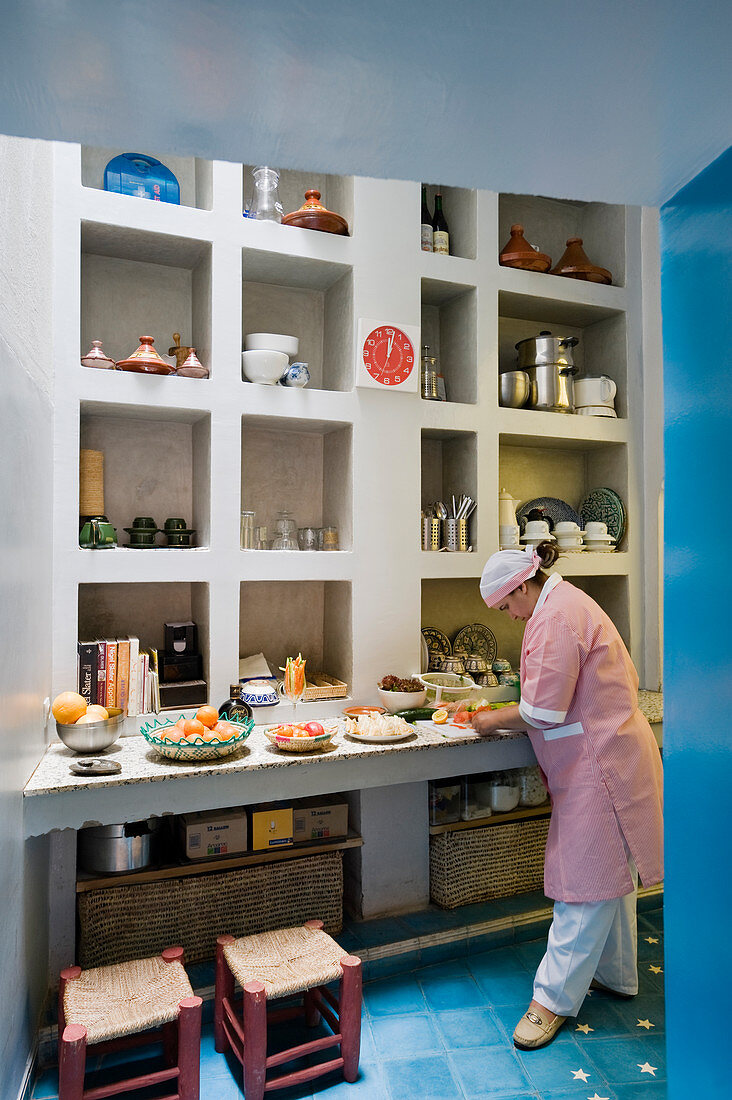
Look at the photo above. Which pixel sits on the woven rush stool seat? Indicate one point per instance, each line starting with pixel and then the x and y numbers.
pixel 282 964
pixel 112 1007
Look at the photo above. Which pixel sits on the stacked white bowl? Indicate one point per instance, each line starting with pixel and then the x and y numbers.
pixel 536 531
pixel 508 536
pixel 569 536
pixel 597 538
pixel 267 356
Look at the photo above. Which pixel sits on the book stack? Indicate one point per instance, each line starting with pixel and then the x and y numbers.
pixel 118 673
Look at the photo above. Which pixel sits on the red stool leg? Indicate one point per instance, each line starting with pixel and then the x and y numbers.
pixel 312 1012
pixel 189 1048
pixel 254 1020
pixel 170 1031
pixel 71 1062
pixel 350 1015
pixel 67 975
pixel 224 988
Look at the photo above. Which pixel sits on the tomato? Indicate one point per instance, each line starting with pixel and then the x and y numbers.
pixel 314 729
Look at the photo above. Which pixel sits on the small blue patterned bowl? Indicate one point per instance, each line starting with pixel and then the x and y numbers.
pixel 296 375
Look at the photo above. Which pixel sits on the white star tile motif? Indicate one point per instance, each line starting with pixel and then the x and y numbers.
pixel 656 969
pixel 585 1028
pixel 579 1075
pixel 596 1097
pixel 651 939
pixel 646 1024
pixel 646 1067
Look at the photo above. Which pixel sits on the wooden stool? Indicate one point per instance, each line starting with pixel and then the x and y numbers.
pixel 111 1007
pixel 279 964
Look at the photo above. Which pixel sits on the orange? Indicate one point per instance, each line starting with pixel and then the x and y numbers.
pixel 100 711
pixel 193 728
pixel 68 707
pixel 173 735
pixel 208 716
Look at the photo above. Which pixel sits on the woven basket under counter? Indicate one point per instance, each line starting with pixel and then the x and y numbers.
pixel 130 921
pixel 493 861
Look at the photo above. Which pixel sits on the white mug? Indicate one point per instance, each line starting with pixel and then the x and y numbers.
pixel 535 528
pixel 594 391
pixel 595 528
pixel 566 527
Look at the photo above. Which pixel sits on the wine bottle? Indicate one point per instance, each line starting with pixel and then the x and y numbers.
pixel 426 222
pixel 235 708
pixel 440 233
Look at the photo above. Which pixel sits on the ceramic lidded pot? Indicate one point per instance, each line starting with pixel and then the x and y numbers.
pixel 296 376
pixel 452 664
pixel 95 357
pixel 474 663
pixel 192 367
pixel 519 253
pixel 142 532
pixel 575 264
pixel 146 360
pixel 313 215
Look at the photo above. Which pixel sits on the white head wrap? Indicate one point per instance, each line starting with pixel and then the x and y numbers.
pixel 505 571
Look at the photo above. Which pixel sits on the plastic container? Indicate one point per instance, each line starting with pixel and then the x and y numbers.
pixel 531 787
pixel 504 792
pixel 142 176
pixel 472 804
pixel 445 802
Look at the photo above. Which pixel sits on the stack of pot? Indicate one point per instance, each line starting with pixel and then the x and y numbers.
pixel 548 362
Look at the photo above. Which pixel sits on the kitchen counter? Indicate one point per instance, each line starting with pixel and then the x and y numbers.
pixel 150 784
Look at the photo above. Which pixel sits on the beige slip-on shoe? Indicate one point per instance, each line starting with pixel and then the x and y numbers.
pixel 535 1030
pixel 594 984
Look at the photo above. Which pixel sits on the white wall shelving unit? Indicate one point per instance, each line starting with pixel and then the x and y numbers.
pixel 358 459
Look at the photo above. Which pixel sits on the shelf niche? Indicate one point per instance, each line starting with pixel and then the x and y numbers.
pixel 299 466
pixel 156 463
pixel 602 347
pixel 114 611
pixel 336 194
pixel 450 466
pixel 283 618
pixel 568 474
pixel 135 283
pixel 194 175
pixel 449 327
pixel 449 604
pixel 307 298
pixel 549 222
pixel 459 205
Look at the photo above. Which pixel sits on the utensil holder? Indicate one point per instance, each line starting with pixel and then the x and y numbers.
pixel 457 535
pixel 431 533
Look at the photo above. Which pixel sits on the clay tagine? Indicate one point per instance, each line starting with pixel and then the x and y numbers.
pixel 192 367
pixel 95 357
pixel 519 253
pixel 146 360
pixel 575 264
pixel 313 215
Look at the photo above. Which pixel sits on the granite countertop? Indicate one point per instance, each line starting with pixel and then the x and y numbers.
pixel 141 763
pixel 650 703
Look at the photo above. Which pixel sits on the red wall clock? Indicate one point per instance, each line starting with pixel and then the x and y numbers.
pixel 387 355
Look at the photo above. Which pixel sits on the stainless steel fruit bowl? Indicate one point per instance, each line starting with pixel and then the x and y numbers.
pixel 92 736
pixel 514 388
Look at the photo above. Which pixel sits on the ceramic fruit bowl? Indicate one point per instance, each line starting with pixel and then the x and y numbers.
pixel 264 367
pixel 92 736
pixel 195 748
pixel 402 700
pixel 290 743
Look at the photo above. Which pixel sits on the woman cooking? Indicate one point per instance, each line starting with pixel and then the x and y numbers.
pixel 602 766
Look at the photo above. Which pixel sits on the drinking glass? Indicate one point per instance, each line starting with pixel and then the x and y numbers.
pixel 292 687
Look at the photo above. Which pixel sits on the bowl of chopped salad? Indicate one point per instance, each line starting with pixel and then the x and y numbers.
pixel 397 693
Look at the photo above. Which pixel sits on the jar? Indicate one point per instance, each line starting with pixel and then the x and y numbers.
pixel 285 524
pixel 246 531
pixel 531 787
pixel 307 537
pixel 266 205
pixel 260 538
pixel 328 538
pixel 504 792
pixel 444 802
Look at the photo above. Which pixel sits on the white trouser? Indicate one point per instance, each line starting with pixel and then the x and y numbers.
pixel 589 939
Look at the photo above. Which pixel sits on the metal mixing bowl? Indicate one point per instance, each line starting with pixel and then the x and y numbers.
pixel 92 736
pixel 514 387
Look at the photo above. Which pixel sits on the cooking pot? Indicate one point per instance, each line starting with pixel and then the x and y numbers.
pixel 113 849
pixel 544 349
pixel 551 388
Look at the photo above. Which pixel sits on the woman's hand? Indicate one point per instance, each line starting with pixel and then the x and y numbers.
pixel 491 721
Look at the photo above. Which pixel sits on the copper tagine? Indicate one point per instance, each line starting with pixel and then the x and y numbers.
pixel 146 360
pixel 519 253
pixel 313 215
pixel 574 264
pixel 192 367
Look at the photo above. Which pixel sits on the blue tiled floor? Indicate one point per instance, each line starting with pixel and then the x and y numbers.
pixel 444 1031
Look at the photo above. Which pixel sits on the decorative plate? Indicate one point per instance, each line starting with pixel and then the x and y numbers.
pixel 424 654
pixel 606 506
pixel 476 638
pixel 551 508
pixel 438 645
pixel 195 748
pixel 379 739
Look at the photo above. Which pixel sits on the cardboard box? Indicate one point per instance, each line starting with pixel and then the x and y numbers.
pixel 192 693
pixel 271 826
pixel 320 817
pixel 206 835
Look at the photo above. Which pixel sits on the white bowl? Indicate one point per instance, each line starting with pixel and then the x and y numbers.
pixel 265 367
pixel 402 700
pixel 272 341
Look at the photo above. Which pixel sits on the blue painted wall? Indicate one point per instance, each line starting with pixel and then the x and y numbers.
pixel 697 291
